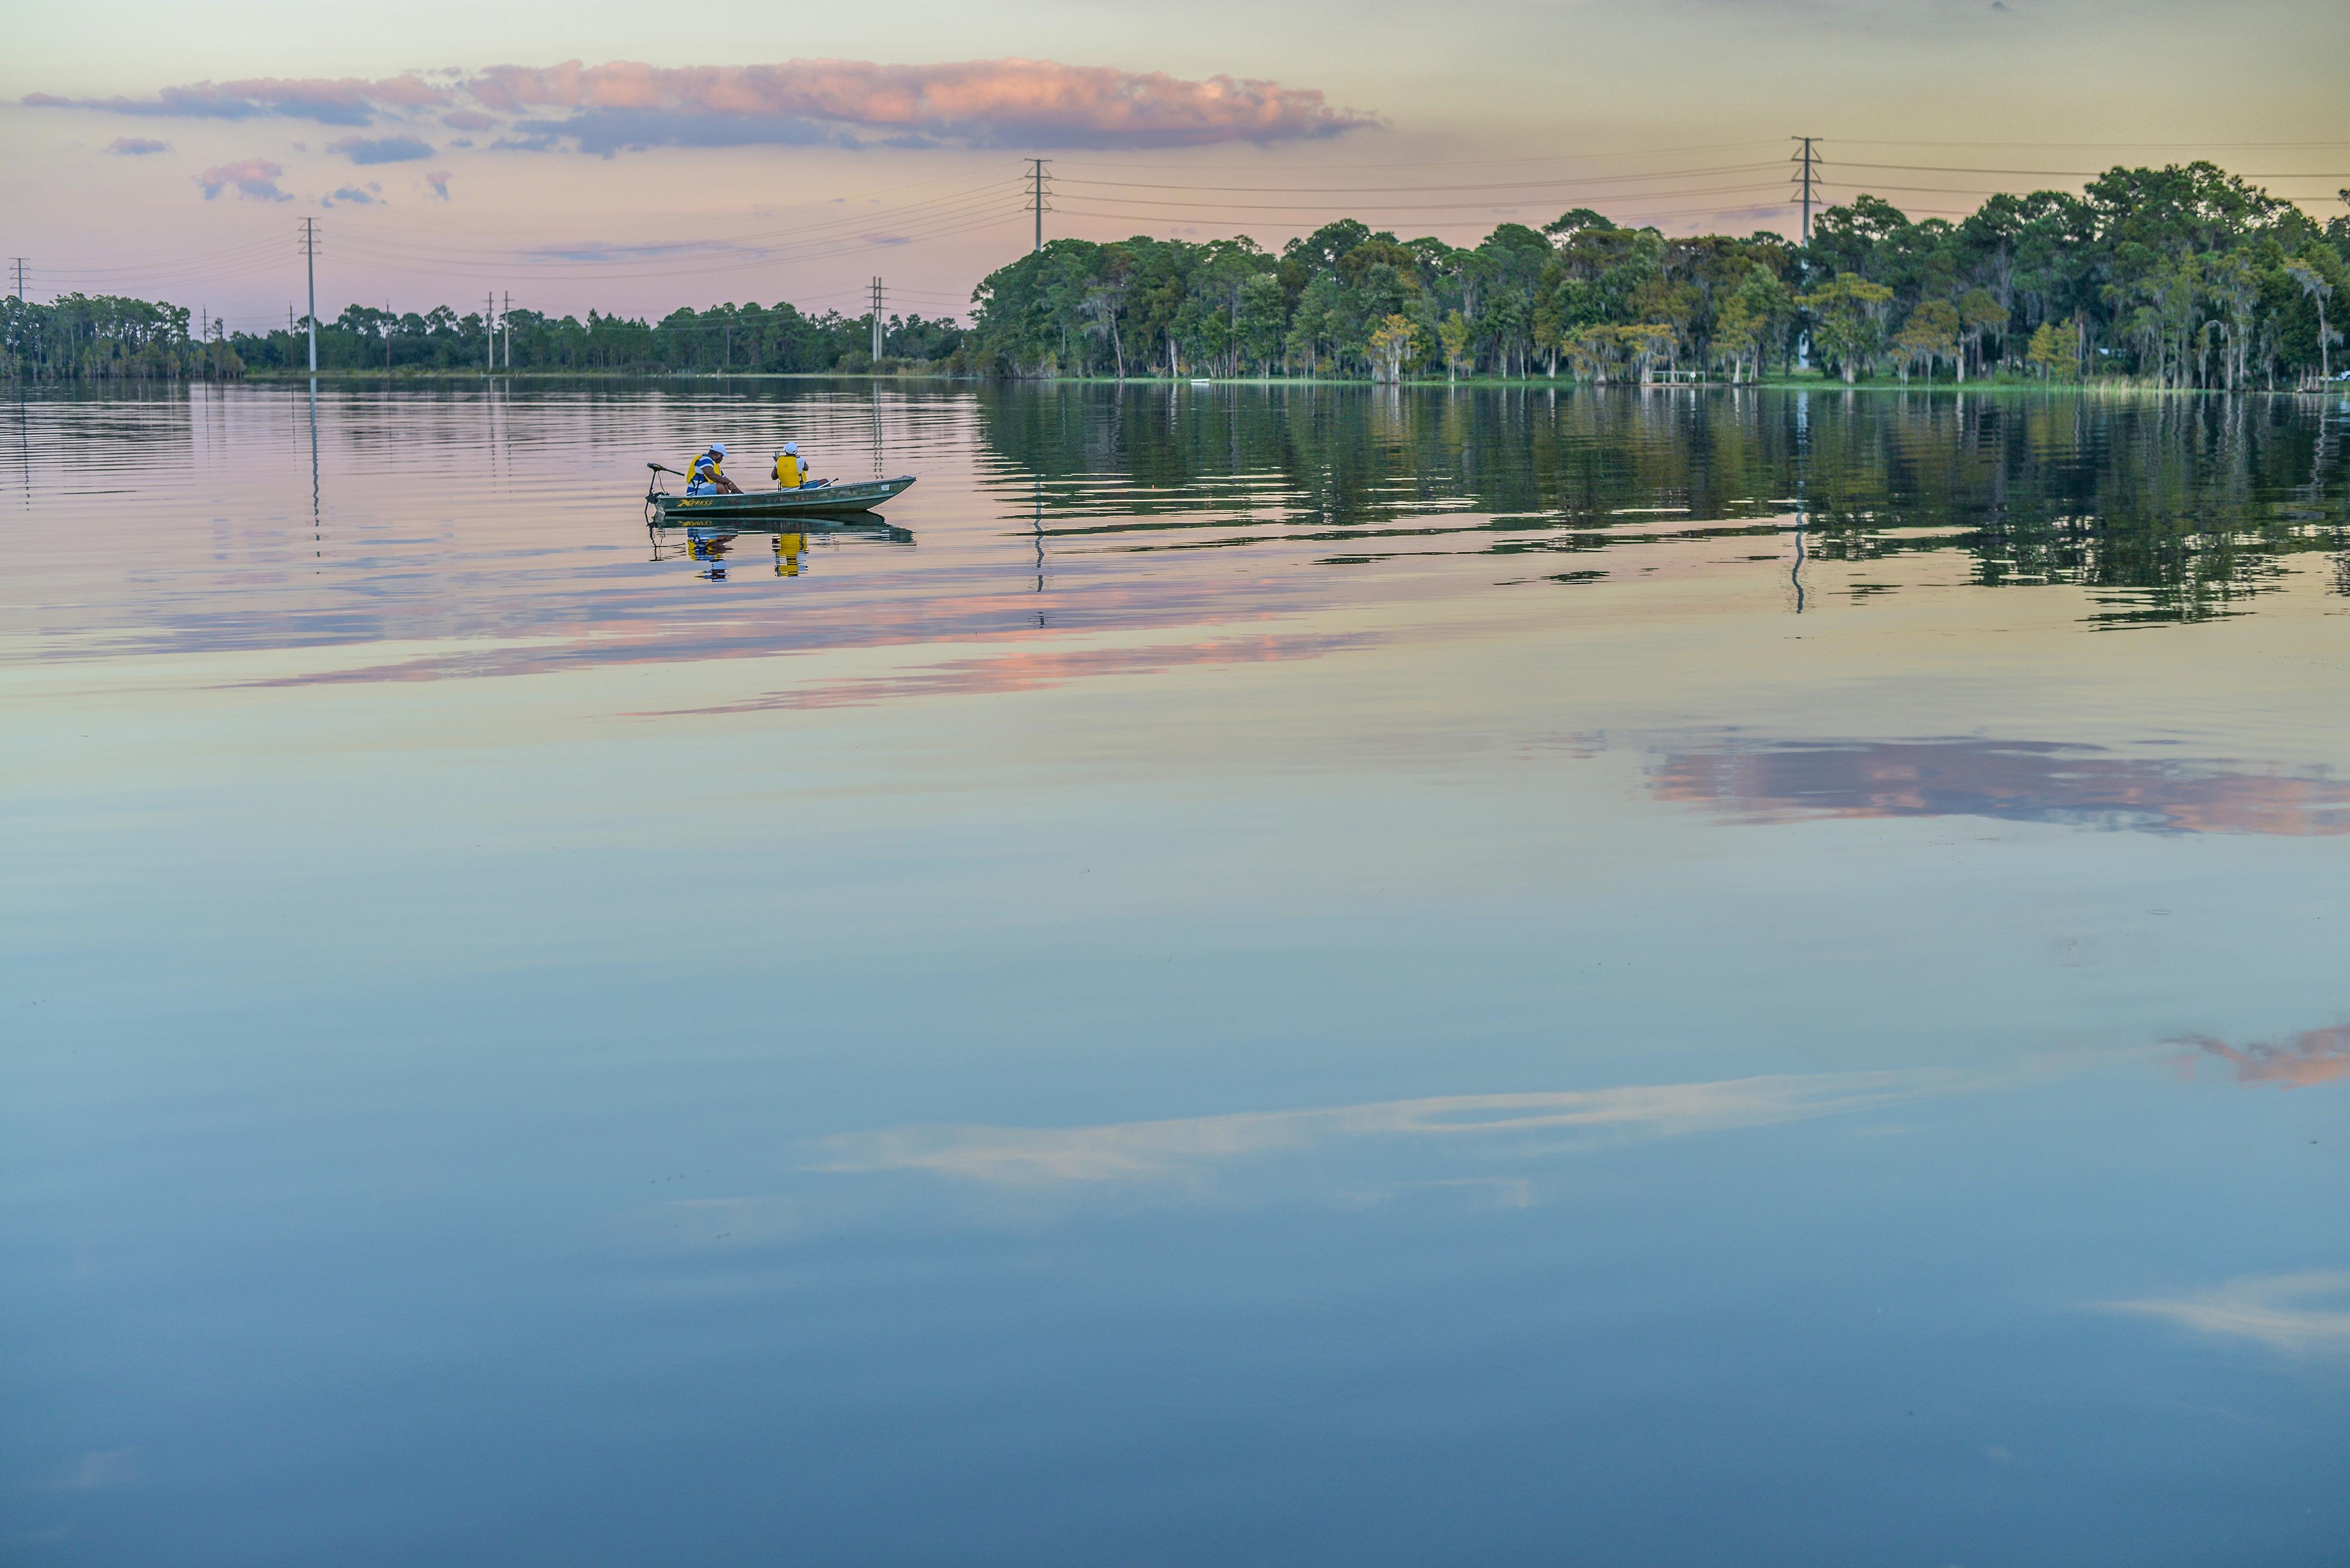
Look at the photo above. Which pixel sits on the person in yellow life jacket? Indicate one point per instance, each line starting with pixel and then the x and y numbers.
pixel 706 475
pixel 790 472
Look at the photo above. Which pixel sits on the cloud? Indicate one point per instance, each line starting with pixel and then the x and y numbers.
pixel 990 103
pixel 2253 1308
pixel 1146 1151
pixel 366 149
pixel 101 1471
pixel 351 195
pixel 437 181
pixel 2313 1056
pixel 136 146
pixel 254 179
pixel 626 104
pixel 344 100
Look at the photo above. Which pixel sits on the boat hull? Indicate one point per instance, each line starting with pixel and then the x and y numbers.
pixel 828 500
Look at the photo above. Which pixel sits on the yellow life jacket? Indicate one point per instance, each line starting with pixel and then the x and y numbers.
pixel 703 470
pixel 790 472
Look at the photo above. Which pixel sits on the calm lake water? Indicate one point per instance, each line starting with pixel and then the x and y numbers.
pixel 1276 977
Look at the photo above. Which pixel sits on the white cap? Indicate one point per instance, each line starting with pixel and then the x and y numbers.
pixel 793 447
pixel 719 447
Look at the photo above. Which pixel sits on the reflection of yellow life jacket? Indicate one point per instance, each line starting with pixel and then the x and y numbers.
pixel 787 554
pixel 790 472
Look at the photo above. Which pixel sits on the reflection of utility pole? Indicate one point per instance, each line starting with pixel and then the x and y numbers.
pixel 310 267
pixel 1037 195
pixel 1803 451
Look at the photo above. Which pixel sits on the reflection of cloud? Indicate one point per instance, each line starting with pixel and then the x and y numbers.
pixel 437 181
pixel 1024 671
pixel 100 1470
pixel 253 178
pixel 2313 1056
pixel 2018 781
pixel 366 149
pixel 1139 1151
pixel 2253 1308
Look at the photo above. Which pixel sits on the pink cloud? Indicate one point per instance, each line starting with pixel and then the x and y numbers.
pixel 438 180
pixel 254 179
pixel 626 103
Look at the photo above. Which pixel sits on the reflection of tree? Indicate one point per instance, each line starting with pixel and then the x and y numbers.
pixel 2182 508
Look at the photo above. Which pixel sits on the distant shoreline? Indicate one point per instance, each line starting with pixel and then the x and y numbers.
pixel 1418 383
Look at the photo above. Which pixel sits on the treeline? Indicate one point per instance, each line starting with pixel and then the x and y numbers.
pixel 101 337
pixel 76 336
pixel 2182 276
pixel 742 338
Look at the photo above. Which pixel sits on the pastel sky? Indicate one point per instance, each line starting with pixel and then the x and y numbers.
pixel 636 159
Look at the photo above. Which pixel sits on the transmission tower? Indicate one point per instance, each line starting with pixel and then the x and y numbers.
pixel 1039 197
pixel 311 268
pixel 1810 163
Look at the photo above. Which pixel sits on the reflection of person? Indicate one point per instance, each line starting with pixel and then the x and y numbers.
pixel 706 476
pixel 790 472
pixel 710 548
pixel 787 554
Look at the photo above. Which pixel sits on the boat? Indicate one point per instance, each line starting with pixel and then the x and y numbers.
pixel 809 500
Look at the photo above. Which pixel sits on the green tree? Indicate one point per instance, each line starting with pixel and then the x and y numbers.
pixel 1850 313
pixel 1930 334
pixel 1452 333
pixel 2314 285
pixel 1392 341
pixel 2051 351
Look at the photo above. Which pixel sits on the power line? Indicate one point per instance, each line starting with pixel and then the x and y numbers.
pixel 1568 181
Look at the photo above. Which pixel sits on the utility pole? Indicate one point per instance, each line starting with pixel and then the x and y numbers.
pixel 389 321
pixel 1804 340
pixel 310 266
pixel 1808 165
pixel 490 335
pixel 876 322
pixel 1037 195
pixel 505 319
pixel 20 278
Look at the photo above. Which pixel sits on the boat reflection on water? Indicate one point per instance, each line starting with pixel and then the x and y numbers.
pixel 789 544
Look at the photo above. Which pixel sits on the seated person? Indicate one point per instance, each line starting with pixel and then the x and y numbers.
pixel 790 472
pixel 706 476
